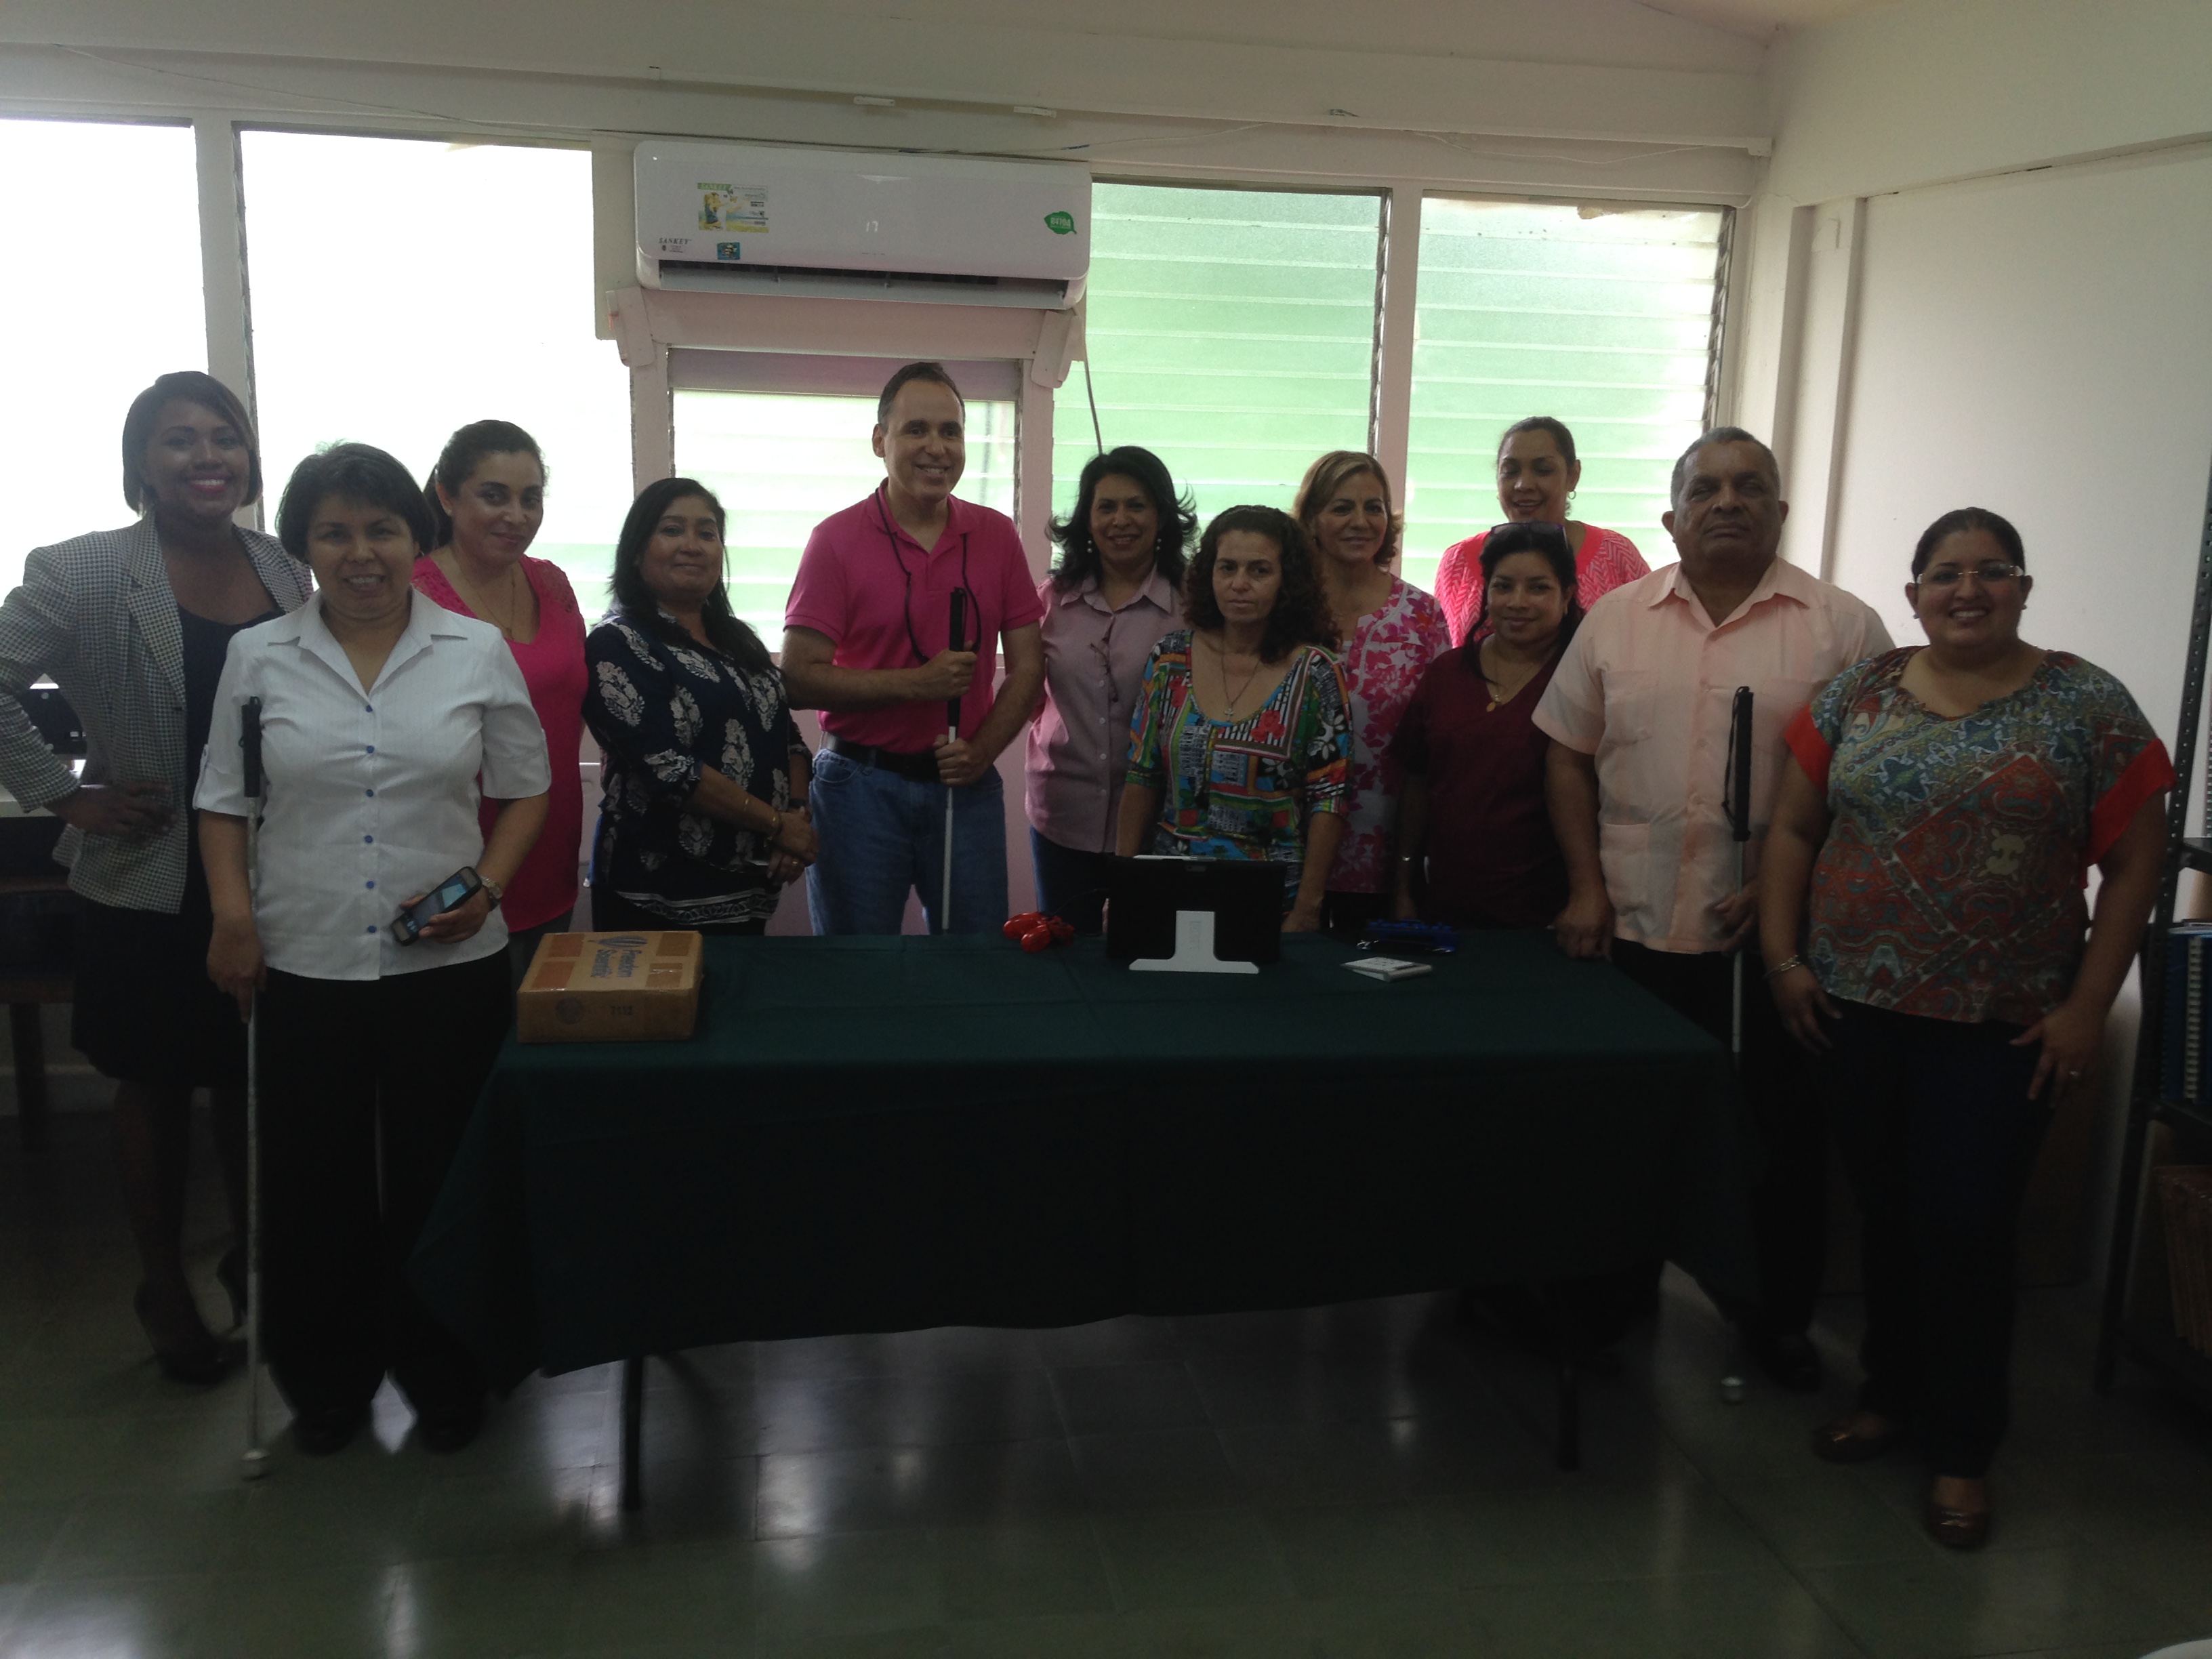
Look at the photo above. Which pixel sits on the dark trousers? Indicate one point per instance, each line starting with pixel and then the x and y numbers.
pixel 613 914
pixel 1789 1195
pixel 1071 885
pixel 1938 1137
pixel 366 1087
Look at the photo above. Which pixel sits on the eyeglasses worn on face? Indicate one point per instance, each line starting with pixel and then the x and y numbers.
pixel 1949 576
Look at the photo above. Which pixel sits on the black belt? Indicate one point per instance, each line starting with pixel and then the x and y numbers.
pixel 922 768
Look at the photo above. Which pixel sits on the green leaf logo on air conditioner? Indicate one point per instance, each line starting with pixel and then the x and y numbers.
pixel 1062 223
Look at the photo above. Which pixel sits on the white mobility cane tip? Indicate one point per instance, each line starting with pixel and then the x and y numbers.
pixel 254 1464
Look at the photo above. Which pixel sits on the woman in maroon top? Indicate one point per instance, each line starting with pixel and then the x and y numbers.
pixel 1475 842
pixel 487 499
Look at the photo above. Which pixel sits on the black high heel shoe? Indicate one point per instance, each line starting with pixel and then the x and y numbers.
pixel 230 1273
pixel 198 1359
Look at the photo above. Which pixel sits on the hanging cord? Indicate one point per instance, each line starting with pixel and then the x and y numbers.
pixel 1091 397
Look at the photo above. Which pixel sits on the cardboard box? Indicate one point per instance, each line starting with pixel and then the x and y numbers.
pixel 610 988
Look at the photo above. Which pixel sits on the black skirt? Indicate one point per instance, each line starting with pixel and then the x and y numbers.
pixel 146 1011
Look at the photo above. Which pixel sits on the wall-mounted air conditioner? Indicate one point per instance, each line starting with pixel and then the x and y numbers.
pixel 761 219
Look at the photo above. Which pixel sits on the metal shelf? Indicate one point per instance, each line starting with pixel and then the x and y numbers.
pixel 2116 1334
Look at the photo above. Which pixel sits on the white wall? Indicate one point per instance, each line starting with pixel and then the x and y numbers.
pixel 2041 344
pixel 1901 99
pixel 2010 312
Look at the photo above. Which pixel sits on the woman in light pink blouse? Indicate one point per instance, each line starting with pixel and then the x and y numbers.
pixel 1115 591
pixel 1537 477
pixel 1392 631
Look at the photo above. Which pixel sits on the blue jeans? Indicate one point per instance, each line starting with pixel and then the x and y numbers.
pixel 883 835
pixel 1071 885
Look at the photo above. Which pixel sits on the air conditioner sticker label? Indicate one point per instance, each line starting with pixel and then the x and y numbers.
pixel 1062 223
pixel 725 251
pixel 732 207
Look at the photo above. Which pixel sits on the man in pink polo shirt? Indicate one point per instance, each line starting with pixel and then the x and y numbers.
pixel 1638 713
pixel 867 641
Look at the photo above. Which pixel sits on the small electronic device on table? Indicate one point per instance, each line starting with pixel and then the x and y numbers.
pixel 1183 916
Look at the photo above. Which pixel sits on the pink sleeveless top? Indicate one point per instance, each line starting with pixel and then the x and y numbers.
pixel 553 668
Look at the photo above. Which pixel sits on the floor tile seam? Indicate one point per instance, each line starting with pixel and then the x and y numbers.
pixel 2141 1583
pixel 1835 1619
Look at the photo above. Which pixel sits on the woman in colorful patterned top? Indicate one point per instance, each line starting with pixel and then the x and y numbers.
pixel 702 817
pixel 1241 745
pixel 1941 810
pixel 1392 631
pixel 1537 477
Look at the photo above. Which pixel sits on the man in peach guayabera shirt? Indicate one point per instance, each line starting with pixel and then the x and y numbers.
pixel 1638 713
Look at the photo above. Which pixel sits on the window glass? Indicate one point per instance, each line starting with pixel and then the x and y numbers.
pixel 1230 332
pixel 101 288
pixel 782 464
pixel 1603 318
pixel 402 289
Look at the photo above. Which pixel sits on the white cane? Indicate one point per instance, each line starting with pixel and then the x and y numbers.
pixel 256 1462
pixel 958 638
pixel 1736 803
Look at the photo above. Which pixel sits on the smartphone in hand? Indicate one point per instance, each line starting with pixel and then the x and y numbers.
pixel 455 890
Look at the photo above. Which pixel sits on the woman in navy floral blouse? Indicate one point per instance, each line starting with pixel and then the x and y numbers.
pixel 702 815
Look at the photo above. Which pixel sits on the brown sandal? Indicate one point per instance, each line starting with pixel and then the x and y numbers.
pixel 1956 1529
pixel 1839 1443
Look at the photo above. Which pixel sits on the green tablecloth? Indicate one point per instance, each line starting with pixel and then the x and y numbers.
pixel 870 1135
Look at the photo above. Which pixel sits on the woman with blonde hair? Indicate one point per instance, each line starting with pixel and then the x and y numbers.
pixel 1391 632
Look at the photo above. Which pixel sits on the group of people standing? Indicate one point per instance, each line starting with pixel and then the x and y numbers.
pixel 1541 744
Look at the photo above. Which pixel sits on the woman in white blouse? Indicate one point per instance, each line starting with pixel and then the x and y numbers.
pixel 379 712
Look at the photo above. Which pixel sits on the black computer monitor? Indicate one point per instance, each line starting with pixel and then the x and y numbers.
pixel 1244 895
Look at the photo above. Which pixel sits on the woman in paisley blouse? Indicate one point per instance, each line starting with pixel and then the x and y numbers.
pixel 1242 746
pixel 702 817
pixel 1941 812
pixel 1392 631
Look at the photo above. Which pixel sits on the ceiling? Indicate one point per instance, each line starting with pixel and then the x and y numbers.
pixel 1762 20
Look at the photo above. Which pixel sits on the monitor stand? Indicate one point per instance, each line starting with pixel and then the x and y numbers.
pixel 1194 951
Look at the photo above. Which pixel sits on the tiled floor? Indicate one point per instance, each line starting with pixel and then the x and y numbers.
pixel 1364 1481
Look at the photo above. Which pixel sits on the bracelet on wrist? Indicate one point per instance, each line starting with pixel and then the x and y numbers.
pixel 1784 966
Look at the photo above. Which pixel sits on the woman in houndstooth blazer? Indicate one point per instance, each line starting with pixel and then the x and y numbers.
pixel 132 624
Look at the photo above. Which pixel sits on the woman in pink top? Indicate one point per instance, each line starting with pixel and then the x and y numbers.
pixel 1117 590
pixel 1537 475
pixel 486 497
pixel 1392 631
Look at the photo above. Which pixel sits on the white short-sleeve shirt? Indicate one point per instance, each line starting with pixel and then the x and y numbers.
pixel 370 798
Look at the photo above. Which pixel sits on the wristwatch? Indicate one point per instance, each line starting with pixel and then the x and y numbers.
pixel 494 891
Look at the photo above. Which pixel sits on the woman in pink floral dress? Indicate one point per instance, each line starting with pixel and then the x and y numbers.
pixel 1392 631
pixel 1537 475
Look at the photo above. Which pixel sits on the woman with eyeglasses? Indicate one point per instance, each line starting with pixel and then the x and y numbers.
pixel 1537 477
pixel 1921 904
pixel 1114 592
